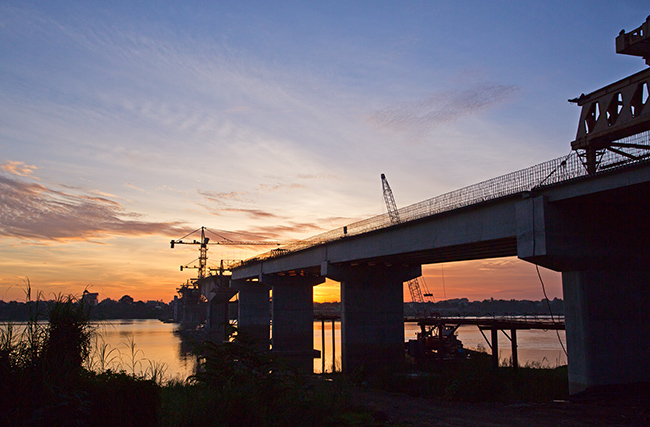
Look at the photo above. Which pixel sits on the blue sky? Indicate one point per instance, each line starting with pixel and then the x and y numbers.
pixel 125 125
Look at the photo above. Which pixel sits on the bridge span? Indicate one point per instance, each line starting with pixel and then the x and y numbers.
pixel 593 228
pixel 585 215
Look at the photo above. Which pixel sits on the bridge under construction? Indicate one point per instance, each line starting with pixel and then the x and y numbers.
pixel 584 215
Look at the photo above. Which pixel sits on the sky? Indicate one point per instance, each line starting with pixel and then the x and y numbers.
pixel 124 125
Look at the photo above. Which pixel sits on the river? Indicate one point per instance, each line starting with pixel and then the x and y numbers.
pixel 142 345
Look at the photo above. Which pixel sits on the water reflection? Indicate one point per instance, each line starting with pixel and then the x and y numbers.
pixel 535 347
pixel 141 343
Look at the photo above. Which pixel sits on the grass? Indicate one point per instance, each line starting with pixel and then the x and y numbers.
pixel 45 380
pixel 476 380
pixel 50 374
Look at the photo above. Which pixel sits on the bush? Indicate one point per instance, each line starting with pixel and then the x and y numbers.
pixel 243 386
pixel 43 380
pixel 121 399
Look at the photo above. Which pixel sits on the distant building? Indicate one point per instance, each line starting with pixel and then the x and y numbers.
pixel 90 298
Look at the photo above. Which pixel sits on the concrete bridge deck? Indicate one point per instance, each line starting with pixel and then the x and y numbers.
pixel 490 228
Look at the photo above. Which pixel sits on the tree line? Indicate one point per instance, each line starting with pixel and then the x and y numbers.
pixel 124 308
pixel 127 308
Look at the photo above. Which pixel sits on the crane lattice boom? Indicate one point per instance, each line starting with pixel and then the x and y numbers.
pixel 391 206
pixel 415 289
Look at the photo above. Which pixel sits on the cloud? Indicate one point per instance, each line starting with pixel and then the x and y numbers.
pixel 34 211
pixel 128 185
pixel 319 176
pixel 253 213
pixel 19 168
pixel 220 197
pixel 441 108
pixel 225 199
pixel 101 193
pixel 276 187
pixel 280 231
pixel 239 196
pixel 497 264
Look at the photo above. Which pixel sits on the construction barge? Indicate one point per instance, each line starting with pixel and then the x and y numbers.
pixel 437 339
pixel 430 345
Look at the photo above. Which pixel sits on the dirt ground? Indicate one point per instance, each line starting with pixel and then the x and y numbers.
pixel 613 407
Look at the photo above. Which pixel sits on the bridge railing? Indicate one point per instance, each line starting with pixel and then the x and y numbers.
pixel 551 172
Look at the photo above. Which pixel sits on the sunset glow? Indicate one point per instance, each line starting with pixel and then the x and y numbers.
pixel 124 126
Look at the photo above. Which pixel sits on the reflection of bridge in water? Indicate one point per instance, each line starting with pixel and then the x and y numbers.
pixel 585 215
pixel 449 325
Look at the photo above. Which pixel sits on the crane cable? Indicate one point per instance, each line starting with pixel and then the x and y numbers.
pixel 563 163
pixel 548 303
pixel 539 274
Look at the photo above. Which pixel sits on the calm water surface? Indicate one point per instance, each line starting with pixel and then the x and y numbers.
pixel 141 343
pixel 134 345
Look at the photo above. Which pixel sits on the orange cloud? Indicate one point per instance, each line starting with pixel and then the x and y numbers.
pixel 219 197
pixel 253 213
pixel 19 168
pixel 276 187
pixel 37 212
pixel 278 231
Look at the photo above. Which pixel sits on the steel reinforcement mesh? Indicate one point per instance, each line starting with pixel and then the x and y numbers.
pixel 545 174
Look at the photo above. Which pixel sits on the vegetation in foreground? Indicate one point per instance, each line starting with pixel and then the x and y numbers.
pixel 44 379
pixel 48 377
pixel 475 380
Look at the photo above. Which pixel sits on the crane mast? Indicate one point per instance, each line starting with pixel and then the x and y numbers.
pixel 414 284
pixel 203 269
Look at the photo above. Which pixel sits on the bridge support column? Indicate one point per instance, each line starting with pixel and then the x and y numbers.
pixel 372 309
pixel 601 248
pixel 254 315
pixel 218 293
pixel 218 318
pixel 607 327
pixel 293 319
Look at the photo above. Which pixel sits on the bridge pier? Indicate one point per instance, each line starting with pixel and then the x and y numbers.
pixel 218 315
pixel 216 290
pixel 600 246
pixel 372 315
pixel 292 332
pixel 254 315
pixel 607 327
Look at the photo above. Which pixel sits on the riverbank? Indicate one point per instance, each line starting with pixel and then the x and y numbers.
pixel 613 406
pixel 236 385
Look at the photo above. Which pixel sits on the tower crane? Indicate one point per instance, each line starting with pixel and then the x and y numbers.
pixel 415 289
pixel 203 269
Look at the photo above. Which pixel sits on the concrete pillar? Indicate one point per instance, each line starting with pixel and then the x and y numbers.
pixel 254 315
pixel 293 319
pixel 600 245
pixel 607 327
pixel 218 293
pixel 218 319
pixel 372 310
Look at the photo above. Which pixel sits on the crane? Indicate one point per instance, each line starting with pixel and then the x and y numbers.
pixel 203 268
pixel 415 289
